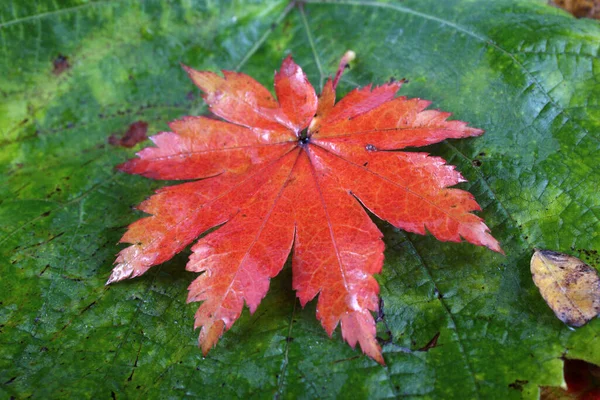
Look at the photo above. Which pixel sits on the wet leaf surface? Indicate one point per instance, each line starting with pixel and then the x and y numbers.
pixel 523 71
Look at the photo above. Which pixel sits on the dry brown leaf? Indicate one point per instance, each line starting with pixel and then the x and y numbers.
pixel 580 8
pixel 582 379
pixel 570 287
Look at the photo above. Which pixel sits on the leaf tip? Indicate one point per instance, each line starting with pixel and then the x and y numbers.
pixel 186 68
pixel 475 131
pixel 209 336
pixel 359 327
pixel 379 358
pixel 491 243
pixel 120 272
pixel 288 68
pixel 126 166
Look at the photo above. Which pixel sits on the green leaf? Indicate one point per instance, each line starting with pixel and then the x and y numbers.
pixel 74 72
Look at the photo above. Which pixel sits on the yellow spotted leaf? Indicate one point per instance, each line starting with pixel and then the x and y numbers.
pixel 570 287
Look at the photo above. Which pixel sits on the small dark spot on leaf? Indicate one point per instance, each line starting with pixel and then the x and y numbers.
pixel 431 344
pixel 518 385
pixel 71 278
pixel 61 64
pixel 87 307
pixel 45 214
pixel 135 134
pixel 345 359
pixel 289 339
pixel 44 270
pixel 304 139
pixel 476 163
pixel 482 154
pixel 383 341
pixel 380 313
pixel 10 380
pixel 365 164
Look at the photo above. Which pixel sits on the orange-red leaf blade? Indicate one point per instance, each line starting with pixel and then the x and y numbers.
pixel 296 95
pixel 394 125
pixel 201 147
pixel 337 250
pixel 181 213
pixel 357 102
pixel 239 258
pixel 409 190
pixel 271 187
pixel 238 98
pixel 324 107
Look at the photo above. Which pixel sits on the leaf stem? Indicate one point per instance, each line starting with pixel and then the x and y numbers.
pixel 344 63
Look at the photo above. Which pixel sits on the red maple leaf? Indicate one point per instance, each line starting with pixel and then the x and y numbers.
pixel 295 172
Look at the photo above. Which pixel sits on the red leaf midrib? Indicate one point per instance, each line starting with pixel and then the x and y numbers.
pixel 331 233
